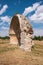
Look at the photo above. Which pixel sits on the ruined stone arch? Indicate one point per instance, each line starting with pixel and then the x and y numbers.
pixel 21 32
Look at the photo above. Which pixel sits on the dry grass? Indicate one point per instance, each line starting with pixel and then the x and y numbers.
pixel 12 55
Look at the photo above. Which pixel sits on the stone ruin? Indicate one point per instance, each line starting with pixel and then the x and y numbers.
pixel 21 32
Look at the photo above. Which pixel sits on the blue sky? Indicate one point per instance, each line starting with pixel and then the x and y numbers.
pixel 32 9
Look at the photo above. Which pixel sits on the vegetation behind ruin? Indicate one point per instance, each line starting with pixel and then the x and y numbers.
pixel 38 38
pixel 34 38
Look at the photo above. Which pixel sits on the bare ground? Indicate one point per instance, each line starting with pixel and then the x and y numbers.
pixel 12 55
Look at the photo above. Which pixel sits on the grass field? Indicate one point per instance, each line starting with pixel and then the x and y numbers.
pixel 12 55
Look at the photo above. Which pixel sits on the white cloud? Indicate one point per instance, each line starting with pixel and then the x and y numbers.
pixel 37 18
pixel 4 33
pixel 35 5
pixel 5 28
pixel 27 10
pixel 5 18
pixel 30 9
pixel 39 9
pixel 38 32
pixel 3 9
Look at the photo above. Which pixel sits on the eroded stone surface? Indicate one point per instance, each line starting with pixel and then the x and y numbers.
pixel 22 31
